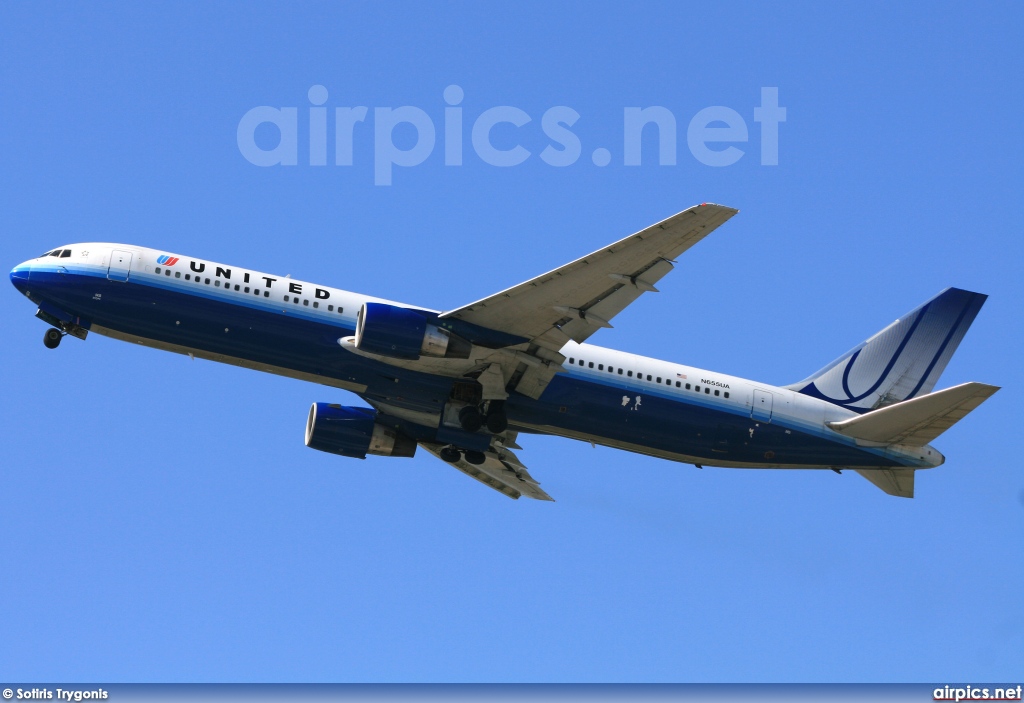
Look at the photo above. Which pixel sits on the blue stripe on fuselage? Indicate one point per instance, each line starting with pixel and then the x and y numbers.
pixel 268 331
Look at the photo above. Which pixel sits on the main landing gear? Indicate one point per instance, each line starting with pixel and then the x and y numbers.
pixel 52 337
pixel 452 455
pixel 472 419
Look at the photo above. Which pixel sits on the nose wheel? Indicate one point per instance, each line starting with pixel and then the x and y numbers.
pixel 52 338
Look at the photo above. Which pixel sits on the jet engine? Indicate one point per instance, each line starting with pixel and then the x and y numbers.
pixel 354 432
pixel 404 333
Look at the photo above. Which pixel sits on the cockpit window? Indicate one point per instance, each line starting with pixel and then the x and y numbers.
pixel 42 255
pixel 65 254
pixel 55 252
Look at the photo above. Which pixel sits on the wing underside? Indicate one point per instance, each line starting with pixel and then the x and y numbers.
pixel 501 471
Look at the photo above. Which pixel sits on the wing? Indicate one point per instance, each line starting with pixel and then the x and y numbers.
pixel 575 300
pixel 501 470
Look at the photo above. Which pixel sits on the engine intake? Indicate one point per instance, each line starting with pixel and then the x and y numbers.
pixel 403 333
pixel 354 432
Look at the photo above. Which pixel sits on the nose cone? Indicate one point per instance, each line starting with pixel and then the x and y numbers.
pixel 19 276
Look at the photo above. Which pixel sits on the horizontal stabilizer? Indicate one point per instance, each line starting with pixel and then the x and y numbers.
pixel 895 482
pixel 918 421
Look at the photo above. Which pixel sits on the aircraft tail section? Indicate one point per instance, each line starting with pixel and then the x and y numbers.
pixel 901 362
pixel 919 421
pixel 895 482
pixel 914 423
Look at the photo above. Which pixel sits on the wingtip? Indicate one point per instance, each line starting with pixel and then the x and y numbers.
pixel 717 206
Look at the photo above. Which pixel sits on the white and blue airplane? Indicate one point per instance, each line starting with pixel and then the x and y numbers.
pixel 466 383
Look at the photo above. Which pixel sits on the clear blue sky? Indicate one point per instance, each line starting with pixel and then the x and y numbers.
pixel 161 520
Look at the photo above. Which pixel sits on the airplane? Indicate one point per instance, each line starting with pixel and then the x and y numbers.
pixel 466 384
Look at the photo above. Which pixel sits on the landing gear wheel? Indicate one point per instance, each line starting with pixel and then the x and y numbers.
pixel 475 458
pixel 470 419
pixel 497 422
pixel 52 338
pixel 450 454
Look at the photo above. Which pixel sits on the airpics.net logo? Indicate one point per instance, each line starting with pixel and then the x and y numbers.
pixel 712 134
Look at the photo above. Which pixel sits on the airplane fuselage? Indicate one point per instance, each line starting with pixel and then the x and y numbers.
pixel 299 329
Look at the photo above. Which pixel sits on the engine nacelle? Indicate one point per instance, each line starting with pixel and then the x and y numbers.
pixel 402 333
pixel 354 432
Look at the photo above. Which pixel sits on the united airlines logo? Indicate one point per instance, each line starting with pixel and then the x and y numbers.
pixel 167 260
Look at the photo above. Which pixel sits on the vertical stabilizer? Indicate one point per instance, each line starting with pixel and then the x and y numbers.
pixel 902 361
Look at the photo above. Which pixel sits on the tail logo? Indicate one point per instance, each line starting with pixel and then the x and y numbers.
pixel 167 260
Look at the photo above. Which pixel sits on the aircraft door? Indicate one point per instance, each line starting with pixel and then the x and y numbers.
pixel 761 409
pixel 120 265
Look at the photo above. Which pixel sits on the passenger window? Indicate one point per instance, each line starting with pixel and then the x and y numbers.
pixel 706 390
pixel 727 394
pixel 266 294
pixel 158 269
pixel 247 289
pixel 572 360
pixel 295 300
pixel 687 386
pixel 600 367
pixel 659 379
pixel 678 384
pixel 286 299
pixel 620 372
pixel 177 274
pixel 236 286
pixel 716 392
pixel 648 377
pixel 188 276
pixel 316 304
pixel 630 374
pixel 341 310
pixel 697 389
pixel 306 303
pixel 167 272
pixel 207 281
pixel 591 365
pixel 216 283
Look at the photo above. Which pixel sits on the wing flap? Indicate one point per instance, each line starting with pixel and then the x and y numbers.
pixel 918 421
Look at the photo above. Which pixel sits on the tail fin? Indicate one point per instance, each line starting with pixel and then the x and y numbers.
pixel 902 361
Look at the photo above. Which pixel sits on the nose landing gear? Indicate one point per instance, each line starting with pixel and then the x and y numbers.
pixel 52 338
